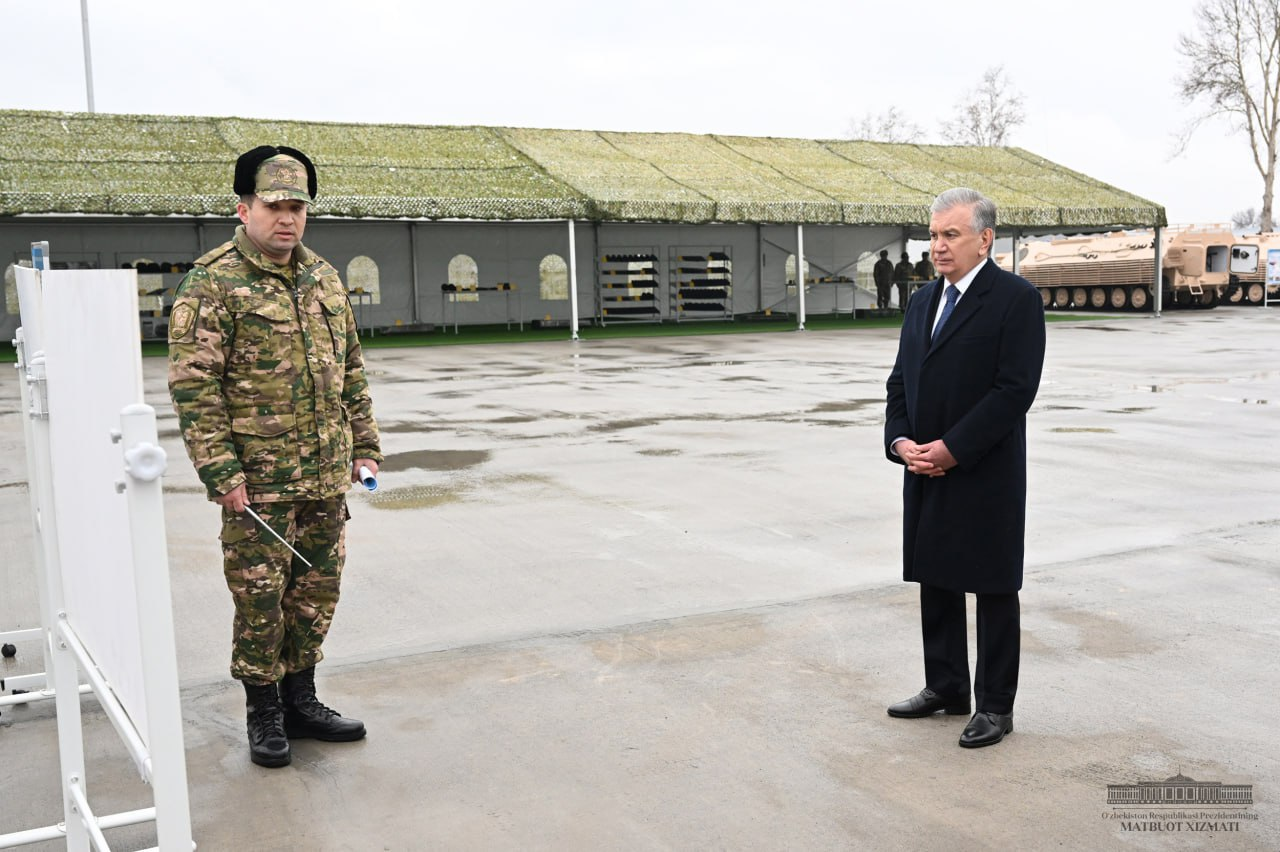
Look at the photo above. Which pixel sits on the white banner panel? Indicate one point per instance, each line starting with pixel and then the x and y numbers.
pixel 94 367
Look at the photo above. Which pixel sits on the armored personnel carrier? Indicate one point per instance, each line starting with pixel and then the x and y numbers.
pixel 1116 271
pixel 1249 257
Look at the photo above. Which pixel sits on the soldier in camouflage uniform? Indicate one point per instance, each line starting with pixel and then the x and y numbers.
pixel 924 268
pixel 902 273
pixel 267 377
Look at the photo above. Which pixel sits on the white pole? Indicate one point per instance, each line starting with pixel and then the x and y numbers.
pixel 26 389
pixel 800 275
pixel 573 282
pixel 145 462
pixel 88 61
pixel 1016 235
pixel 66 679
pixel 1159 283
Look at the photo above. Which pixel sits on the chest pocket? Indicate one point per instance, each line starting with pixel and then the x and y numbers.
pixel 264 331
pixel 335 314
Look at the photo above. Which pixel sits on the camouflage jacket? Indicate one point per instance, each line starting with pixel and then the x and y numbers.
pixel 266 375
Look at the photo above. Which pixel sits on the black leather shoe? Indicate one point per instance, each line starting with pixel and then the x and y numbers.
pixel 268 745
pixel 926 703
pixel 305 716
pixel 986 729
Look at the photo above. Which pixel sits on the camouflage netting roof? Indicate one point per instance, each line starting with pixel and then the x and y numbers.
pixel 166 165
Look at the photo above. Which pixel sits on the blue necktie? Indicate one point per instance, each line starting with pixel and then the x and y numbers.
pixel 952 294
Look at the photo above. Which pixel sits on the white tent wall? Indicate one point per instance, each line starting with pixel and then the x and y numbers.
pixel 502 251
pixel 387 245
pixel 97 244
pixel 829 250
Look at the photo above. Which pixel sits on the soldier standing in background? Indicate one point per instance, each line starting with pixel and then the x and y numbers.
pixel 882 273
pixel 924 268
pixel 267 377
pixel 902 278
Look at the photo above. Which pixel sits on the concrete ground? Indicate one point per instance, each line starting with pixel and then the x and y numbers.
pixel 645 595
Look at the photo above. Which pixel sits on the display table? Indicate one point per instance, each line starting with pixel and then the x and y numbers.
pixel 449 296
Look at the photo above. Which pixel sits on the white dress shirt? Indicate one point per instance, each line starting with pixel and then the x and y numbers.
pixel 961 285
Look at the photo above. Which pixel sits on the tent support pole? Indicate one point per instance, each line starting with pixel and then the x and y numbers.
pixel 573 282
pixel 800 276
pixel 1158 284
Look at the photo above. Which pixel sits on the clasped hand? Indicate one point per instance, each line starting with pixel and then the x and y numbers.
pixel 931 459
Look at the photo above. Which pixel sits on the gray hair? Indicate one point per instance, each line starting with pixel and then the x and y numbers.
pixel 984 209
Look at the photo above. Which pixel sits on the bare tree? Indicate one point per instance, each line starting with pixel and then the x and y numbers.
pixel 988 113
pixel 1246 220
pixel 1233 70
pixel 889 126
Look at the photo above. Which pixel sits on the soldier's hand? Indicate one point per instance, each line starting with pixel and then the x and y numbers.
pixel 235 499
pixel 359 463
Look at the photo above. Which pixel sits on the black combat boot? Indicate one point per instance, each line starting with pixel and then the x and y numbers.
pixel 268 745
pixel 304 716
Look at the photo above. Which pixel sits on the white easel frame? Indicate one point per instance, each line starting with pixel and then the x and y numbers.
pixel 157 751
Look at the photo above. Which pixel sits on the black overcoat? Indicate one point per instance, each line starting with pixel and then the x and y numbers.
pixel 971 387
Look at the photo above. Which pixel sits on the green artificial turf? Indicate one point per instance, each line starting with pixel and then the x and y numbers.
pixel 476 334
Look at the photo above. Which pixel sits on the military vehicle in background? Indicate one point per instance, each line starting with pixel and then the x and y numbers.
pixel 1202 266
pixel 1249 270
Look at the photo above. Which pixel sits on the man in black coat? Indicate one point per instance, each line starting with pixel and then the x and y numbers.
pixel 967 371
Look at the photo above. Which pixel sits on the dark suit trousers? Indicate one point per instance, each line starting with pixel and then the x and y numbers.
pixel 946 647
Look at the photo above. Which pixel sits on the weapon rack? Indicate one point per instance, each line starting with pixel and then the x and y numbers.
pixel 628 285
pixel 701 283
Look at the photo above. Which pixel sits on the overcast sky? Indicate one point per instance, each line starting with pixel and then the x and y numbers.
pixel 1099 79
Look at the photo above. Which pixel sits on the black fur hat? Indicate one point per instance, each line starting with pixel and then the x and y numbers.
pixel 247 168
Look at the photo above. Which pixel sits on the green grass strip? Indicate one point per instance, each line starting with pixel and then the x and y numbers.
pixel 484 334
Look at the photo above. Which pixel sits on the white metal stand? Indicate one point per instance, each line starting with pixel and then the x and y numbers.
pixel 149 724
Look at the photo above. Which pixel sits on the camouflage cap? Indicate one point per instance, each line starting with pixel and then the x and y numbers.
pixel 279 178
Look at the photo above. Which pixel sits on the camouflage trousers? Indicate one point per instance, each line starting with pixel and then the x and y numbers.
pixel 283 608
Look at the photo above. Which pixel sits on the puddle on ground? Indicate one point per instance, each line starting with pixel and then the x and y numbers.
pixel 619 425
pixel 1099 429
pixel 399 426
pixel 742 379
pixel 666 452
pixel 1133 409
pixel 516 418
pixel 848 405
pixel 415 497
pixel 435 460
pixel 1061 408
pixel 680 641
pixel 1104 636
pixel 712 364
pixel 518 479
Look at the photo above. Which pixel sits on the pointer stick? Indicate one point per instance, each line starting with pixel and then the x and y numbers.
pixel 277 535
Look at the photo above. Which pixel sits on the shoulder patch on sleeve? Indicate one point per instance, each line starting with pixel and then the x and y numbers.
pixel 182 320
